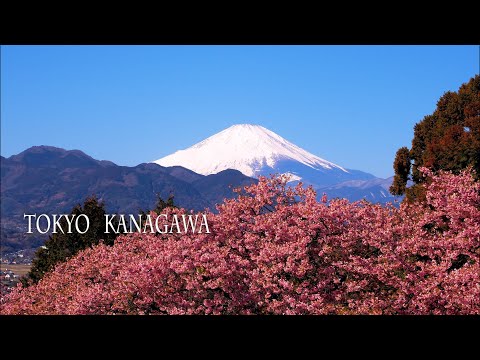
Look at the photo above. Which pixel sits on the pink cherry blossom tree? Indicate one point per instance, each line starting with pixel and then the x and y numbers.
pixel 277 250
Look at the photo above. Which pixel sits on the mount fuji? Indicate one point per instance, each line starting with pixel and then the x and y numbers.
pixel 254 151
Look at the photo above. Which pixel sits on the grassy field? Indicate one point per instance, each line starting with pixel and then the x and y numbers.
pixel 19 269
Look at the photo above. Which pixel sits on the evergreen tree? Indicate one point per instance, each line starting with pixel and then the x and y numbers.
pixel 402 169
pixel 61 246
pixel 162 204
pixel 159 207
pixel 448 139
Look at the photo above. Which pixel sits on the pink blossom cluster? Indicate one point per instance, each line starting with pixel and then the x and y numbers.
pixel 277 250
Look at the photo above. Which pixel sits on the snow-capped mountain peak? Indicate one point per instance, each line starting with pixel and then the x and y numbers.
pixel 251 149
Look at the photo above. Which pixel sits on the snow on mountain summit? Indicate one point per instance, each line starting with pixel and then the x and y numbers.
pixel 247 148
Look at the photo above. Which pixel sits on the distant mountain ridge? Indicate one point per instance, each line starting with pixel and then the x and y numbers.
pixel 45 179
pixel 374 190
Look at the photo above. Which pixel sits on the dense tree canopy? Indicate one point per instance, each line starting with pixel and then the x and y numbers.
pixel 277 250
pixel 448 139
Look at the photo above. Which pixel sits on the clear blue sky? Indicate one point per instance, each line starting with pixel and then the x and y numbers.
pixel 353 105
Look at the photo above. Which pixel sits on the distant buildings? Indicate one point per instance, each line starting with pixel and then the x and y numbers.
pixel 9 278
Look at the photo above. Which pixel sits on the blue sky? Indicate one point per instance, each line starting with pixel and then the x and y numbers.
pixel 353 105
